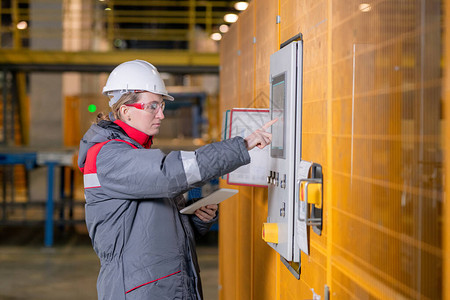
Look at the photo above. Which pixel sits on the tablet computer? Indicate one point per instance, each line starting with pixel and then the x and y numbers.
pixel 214 198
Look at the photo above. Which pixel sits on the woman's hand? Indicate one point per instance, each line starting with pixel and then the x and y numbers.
pixel 206 213
pixel 260 138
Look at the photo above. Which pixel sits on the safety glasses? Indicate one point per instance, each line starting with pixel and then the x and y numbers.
pixel 152 108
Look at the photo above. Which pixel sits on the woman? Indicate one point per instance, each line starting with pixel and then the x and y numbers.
pixel 133 193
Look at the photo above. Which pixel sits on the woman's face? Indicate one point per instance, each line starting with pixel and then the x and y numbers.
pixel 146 119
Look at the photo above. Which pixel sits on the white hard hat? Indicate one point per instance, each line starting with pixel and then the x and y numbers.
pixel 132 76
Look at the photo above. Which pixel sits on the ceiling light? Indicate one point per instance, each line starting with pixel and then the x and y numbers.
pixel 230 18
pixel 216 36
pixel 224 28
pixel 108 8
pixel 242 5
pixel 22 25
pixel 365 7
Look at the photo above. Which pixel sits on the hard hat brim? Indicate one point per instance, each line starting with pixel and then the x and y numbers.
pixel 168 97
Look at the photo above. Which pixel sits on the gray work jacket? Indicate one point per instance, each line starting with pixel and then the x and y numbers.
pixel 133 195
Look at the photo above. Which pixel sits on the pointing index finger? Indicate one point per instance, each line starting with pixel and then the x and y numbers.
pixel 270 123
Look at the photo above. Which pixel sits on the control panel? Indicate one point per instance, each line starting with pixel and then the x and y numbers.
pixel 285 151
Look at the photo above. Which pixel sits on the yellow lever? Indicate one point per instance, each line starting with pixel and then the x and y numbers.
pixel 270 232
pixel 314 191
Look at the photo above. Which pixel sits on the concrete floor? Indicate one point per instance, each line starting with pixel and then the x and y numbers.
pixel 69 269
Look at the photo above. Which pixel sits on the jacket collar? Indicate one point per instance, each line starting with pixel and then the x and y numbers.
pixel 140 137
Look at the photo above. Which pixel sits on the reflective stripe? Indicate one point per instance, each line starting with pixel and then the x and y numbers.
pixel 91 181
pixel 190 167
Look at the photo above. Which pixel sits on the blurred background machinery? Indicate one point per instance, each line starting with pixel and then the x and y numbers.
pixel 54 59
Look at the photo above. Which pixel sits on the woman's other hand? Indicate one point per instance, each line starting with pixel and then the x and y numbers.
pixel 206 213
pixel 260 137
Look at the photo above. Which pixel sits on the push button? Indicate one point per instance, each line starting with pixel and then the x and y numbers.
pixel 269 178
pixel 283 182
pixel 270 232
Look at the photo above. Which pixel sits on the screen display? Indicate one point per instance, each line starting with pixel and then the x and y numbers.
pixel 278 104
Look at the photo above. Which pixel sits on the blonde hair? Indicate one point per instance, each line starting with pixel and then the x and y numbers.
pixel 127 98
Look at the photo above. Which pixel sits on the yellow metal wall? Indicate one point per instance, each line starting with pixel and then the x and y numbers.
pixel 372 118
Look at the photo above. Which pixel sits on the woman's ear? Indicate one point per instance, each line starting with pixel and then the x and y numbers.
pixel 124 111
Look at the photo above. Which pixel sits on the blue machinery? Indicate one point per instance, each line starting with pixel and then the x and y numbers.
pixel 31 160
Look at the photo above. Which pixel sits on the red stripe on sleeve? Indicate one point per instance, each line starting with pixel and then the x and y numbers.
pixel 90 165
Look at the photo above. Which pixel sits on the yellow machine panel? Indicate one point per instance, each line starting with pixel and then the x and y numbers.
pixel 372 118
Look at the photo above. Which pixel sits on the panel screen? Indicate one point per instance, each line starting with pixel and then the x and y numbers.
pixel 278 104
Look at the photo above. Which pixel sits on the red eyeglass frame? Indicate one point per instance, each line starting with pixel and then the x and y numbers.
pixel 141 105
pixel 138 105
